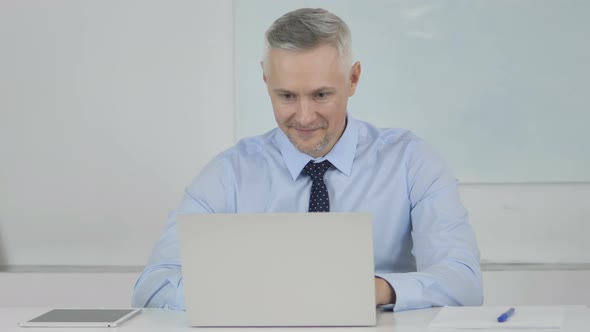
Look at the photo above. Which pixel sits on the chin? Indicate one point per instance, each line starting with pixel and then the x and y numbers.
pixel 305 149
pixel 310 147
pixel 315 151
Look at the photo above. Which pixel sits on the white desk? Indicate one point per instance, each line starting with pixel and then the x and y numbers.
pixel 577 319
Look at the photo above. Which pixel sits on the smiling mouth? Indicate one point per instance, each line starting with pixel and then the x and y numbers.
pixel 305 131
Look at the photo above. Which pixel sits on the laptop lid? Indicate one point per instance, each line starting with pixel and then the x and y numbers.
pixel 285 269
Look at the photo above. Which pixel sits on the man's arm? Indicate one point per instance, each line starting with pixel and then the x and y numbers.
pixel 444 244
pixel 160 284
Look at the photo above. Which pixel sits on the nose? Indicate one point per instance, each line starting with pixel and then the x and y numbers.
pixel 304 114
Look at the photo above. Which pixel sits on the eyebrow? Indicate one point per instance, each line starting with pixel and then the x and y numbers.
pixel 323 88
pixel 282 91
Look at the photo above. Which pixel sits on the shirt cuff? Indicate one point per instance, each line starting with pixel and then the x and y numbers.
pixel 408 291
pixel 178 285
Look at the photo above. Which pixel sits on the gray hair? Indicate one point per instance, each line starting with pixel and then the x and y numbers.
pixel 307 28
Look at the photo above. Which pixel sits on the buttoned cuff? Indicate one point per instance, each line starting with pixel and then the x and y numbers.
pixel 178 303
pixel 409 292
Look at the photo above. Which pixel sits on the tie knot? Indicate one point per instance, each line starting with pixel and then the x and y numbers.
pixel 316 170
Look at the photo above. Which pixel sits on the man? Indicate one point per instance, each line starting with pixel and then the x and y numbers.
pixel 320 159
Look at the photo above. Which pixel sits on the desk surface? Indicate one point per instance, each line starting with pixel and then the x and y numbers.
pixel 577 318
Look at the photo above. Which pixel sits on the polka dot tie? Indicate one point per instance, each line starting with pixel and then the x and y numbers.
pixel 318 199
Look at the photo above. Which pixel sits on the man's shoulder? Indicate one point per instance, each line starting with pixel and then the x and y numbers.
pixel 369 132
pixel 392 141
pixel 253 146
pixel 398 143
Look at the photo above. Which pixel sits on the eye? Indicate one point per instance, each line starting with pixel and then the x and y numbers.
pixel 322 95
pixel 287 96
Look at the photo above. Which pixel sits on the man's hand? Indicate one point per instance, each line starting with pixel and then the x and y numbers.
pixel 384 293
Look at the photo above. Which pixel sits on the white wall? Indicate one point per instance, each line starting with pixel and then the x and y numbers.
pixel 107 111
pixel 526 287
pixel 530 223
pixel 67 290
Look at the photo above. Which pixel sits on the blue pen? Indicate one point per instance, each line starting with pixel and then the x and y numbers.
pixel 504 317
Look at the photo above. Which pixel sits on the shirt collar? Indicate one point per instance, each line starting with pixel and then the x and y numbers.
pixel 341 155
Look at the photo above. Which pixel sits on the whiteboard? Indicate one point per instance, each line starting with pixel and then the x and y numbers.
pixel 500 88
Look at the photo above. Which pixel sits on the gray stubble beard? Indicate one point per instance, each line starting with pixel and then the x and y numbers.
pixel 314 151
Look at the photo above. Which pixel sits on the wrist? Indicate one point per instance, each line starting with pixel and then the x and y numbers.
pixel 384 292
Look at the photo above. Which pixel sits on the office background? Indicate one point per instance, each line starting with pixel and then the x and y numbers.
pixel 108 109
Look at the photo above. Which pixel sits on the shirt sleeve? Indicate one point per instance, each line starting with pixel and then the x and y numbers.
pixel 160 284
pixel 444 243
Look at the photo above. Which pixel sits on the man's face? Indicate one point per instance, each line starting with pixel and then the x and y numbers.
pixel 309 92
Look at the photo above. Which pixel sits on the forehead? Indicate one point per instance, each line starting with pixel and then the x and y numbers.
pixel 321 65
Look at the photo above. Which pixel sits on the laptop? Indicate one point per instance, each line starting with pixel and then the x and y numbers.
pixel 278 269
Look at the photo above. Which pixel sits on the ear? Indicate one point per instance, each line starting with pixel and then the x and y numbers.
pixel 355 75
pixel 263 74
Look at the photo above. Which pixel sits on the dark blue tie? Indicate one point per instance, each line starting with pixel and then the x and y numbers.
pixel 319 201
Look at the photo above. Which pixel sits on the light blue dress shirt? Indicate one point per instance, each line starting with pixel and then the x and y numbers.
pixel 424 245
